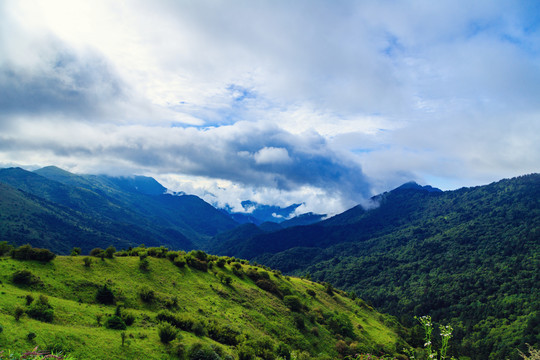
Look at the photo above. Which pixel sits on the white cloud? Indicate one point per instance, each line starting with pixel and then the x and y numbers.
pixel 312 101
pixel 272 155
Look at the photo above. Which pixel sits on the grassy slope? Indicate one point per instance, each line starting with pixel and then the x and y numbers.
pixel 71 289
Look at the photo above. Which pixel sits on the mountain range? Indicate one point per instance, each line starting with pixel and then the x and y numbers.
pixel 468 257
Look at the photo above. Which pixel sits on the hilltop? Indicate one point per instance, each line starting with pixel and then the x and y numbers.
pixel 224 305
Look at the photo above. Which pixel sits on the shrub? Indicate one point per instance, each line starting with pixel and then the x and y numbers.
pixel 238 272
pixel 270 286
pixel 18 313
pixel 105 295
pixel 199 255
pixel 299 321
pixel 128 318
pixel 76 251
pixel 223 334
pixel 5 248
pixel 198 351
pixel 221 262
pixel 311 292
pixel 147 295
pixel 115 322
pixel 166 332
pixel 196 263
pixel 25 277
pixel 178 349
pixel 283 351
pixel 293 302
pixel 179 261
pixel 29 298
pixel 198 328
pixel 97 252
pixel 41 310
pixel 27 252
pixel 144 265
pixel 110 251
pixel 31 336
pixel 87 261
pixel 181 321
pixel 171 255
pixel 341 324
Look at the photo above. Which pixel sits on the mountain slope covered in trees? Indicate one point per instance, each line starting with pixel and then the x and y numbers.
pixel 89 211
pixel 468 257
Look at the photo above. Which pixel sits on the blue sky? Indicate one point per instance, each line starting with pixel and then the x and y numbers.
pixel 324 103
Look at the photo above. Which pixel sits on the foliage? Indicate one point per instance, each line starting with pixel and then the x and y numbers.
pixel 468 257
pixel 199 351
pixel 27 252
pixel 41 309
pixel 166 332
pixel 115 322
pixel 341 324
pixel 105 295
pixel 87 261
pixel 25 277
pixel 293 302
pixel 147 294
pixel 18 313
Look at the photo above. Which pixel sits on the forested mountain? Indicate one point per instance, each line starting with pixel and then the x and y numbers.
pixel 469 257
pixel 91 211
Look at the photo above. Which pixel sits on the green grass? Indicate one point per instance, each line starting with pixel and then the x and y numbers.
pixel 71 288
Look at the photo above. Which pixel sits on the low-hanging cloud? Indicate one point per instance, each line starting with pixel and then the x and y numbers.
pixel 306 101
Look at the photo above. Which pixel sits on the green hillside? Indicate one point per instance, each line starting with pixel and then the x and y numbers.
pixel 215 304
pixel 469 258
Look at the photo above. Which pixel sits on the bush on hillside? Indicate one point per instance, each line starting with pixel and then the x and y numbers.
pixel 224 334
pixel 115 322
pixel 270 286
pixel 41 310
pixel 5 248
pixel 198 351
pixel 196 263
pixel 25 277
pixel 27 252
pixel 293 303
pixel 341 324
pixel 144 265
pixel 97 252
pixel 105 295
pixel 166 332
pixel 110 251
pixel 147 295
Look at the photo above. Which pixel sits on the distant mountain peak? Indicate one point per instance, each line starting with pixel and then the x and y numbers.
pixel 413 185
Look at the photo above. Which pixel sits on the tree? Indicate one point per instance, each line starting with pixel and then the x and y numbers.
pixel 104 295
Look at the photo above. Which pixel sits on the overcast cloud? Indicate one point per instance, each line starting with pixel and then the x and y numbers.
pixel 318 102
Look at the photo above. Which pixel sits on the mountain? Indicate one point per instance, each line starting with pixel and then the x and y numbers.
pixel 468 257
pixel 212 308
pixel 121 212
pixel 259 213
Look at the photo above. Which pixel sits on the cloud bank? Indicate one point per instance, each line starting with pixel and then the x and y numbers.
pixel 312 102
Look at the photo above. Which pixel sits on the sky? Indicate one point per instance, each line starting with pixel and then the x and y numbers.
pixel 313 102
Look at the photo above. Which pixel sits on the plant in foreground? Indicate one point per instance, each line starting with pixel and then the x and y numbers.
pixel 446 335
pixel 534 354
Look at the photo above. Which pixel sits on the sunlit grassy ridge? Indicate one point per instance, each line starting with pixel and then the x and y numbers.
pixel 251 313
